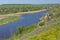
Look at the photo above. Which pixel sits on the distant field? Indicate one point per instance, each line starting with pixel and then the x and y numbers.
pixel 22 5
pixel 14 8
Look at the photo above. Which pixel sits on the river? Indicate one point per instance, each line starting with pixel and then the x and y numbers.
pixel 24 20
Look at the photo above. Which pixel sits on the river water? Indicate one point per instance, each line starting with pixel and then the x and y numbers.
pixel 24 20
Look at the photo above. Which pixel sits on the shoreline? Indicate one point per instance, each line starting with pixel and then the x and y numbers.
pixel 21 13
pixel 8 22
pixel 3 23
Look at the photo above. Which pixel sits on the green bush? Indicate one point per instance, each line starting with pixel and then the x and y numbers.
pixel 41 23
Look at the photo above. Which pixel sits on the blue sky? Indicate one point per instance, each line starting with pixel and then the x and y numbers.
pixel 29 1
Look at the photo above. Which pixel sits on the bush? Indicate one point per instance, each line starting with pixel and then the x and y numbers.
pixel 41 23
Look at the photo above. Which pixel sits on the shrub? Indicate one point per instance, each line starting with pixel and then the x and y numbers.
pixel 41 23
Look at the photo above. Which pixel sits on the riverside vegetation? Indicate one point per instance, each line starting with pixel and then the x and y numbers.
pixel 8 19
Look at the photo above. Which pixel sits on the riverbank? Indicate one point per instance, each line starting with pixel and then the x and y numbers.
pixel 5 18
pixel 19 13
pixel 8 20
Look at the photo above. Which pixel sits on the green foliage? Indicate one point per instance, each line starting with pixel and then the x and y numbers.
pixel 41 23
pixel 29 28
pixel 21 30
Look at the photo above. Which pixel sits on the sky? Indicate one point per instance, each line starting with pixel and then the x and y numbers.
pixel 29 1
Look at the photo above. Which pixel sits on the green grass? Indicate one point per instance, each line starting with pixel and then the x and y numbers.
pixel 51 34
pixel 8 19
pixel 22 30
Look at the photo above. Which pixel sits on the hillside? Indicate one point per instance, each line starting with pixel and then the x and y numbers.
pixel 52 32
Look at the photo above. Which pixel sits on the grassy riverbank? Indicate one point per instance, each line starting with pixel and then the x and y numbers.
pixel 21 30
pixel 8 19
